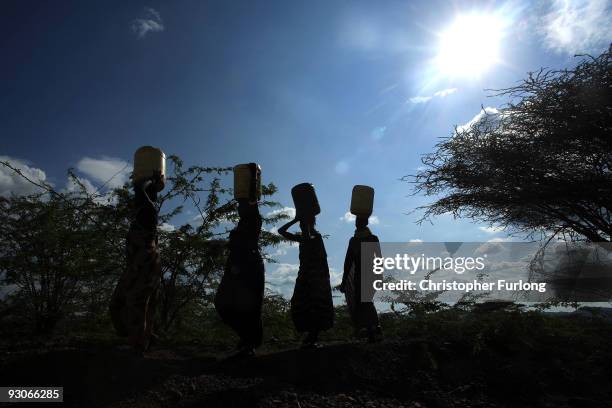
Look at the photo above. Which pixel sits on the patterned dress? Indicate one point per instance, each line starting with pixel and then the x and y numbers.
pixel 312 309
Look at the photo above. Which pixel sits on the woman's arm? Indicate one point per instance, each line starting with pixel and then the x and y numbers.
pixel 377 251
pixel 286 234
pixel 146 208
pixel 149 188
pixel 348 262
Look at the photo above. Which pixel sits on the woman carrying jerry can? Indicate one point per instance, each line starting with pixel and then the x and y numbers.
pixel 312 309
pixel 239 297
pixel 358 278
pixel 133 302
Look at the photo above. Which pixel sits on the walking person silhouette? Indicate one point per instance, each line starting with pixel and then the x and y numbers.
pixel 239 297
pixel 312 309
pixel 133 302
pixel 358 278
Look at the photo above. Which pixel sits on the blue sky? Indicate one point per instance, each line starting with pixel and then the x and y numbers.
pixel 334 93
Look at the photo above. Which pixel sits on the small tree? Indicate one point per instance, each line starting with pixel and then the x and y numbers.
pixel 541 163
pixel 57 257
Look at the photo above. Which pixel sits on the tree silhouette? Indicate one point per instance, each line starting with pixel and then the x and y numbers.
pixel 541 163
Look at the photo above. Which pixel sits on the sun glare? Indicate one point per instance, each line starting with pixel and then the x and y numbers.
pixel 470 46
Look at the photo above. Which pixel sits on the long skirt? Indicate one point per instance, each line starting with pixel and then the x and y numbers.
pixel 363 313
pixel 239 300
pixel 132 306
pixel 312 308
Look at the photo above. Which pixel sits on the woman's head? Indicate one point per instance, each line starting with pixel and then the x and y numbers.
pixel 307 222
pixel 246 208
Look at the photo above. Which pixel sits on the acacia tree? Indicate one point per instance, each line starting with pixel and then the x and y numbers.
pixel 56 255
pixel 62 252
pixel 541 163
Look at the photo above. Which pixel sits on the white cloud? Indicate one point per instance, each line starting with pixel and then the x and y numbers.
pixel 151 22
pixel 281 277
pixel 350 218
pixel 577 26
pixel 419 99
pixel 76 185
pixel 113 172
pixel 445 92
pixel 99 170
pixel 284 246
pixel 491 229
pixel 486 119
pixel 335 276
pixel 280 251
pixel 72 186
pixel 416 240
pixel 167 227
pixel 290 211
pixel 13 183
pixel 282 274
pixel 438 94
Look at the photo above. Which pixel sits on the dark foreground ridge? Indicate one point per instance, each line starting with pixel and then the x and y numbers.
pixel 491 369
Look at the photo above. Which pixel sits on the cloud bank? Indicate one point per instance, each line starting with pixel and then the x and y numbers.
pixel 110 171
pixel 13 183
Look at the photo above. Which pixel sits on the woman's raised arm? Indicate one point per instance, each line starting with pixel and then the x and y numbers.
pixel 288 235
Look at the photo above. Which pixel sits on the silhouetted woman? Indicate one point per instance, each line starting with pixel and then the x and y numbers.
pixel 239 297
pixel 312 309
pixel 357 281
pixel 133 302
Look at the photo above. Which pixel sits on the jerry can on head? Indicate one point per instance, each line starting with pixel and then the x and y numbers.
pixel 362 201
pixel 247 177
pixel 305 200
pixel 148 161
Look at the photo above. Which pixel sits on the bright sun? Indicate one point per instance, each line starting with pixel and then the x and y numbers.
pixel 470 45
